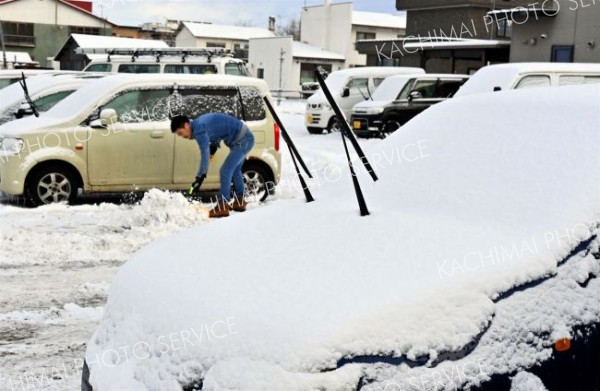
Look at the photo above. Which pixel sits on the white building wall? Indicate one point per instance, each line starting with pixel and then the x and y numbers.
pixel 185 39
pixel 356 59
pixel 47 12
pixel 264 53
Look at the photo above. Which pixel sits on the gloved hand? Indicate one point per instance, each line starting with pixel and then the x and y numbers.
pixel 195 187
pixel 213 149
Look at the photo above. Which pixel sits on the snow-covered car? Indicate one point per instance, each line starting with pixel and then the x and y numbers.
pixel 479 262
pixel 113 135
pixel 10 76
pixel 521 75
pixel 45 91
pixel 348 87
pixel 399 98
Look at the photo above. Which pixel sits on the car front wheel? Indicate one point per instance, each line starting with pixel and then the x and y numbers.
pixel 49 185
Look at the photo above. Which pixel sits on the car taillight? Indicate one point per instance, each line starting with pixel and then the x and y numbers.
pixel 277 133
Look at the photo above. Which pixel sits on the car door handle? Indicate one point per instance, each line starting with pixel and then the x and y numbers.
pixel 157 134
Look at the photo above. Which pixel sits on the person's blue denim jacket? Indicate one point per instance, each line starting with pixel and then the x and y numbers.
pixel 213 128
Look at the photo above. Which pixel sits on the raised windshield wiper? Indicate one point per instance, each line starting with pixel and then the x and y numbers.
pixel 23 84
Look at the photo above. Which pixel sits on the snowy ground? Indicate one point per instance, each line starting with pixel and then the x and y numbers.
pixel 57 262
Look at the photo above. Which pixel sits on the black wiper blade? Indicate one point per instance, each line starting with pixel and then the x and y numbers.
pixel 23 84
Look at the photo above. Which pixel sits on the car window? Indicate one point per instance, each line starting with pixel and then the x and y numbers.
pixel 406 89
pixel 7 82
pixel 236 68
pixel 568 80
pixel 193 69
pixel 47 102
pixel 141 106
pixel 139 68
pixel 99 68
pixel 194 102
pixel 447 88
pixel 254 106
pixel 377 81
pixel 426 88
pixel 534 81
pixel 358 86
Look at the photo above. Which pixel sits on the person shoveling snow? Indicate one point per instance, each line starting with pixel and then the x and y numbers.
pixel 209 130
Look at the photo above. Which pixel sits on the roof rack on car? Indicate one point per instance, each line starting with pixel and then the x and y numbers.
pixel 158 53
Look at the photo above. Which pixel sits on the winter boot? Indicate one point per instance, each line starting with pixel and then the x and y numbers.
pixel 239 204
pixel 221 209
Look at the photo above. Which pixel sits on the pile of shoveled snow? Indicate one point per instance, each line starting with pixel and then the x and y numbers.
pixel 476 196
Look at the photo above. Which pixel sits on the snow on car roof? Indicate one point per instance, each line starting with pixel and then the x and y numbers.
pixel 378 19
pixel 13 93
pixel 469 204
pixel 87 97
pixel 207 30
pixel 101 41
pixel 504 75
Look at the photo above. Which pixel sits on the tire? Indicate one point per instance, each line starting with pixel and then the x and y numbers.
pixel 50 184
pixel 334 125
pixel 390 125
pixel 258 182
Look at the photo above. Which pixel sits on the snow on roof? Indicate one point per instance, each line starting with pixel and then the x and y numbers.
pixel 315 283
pixel 101 41
pixel 377 19
pixel 17 57
pixel 308 51
pixel 241 33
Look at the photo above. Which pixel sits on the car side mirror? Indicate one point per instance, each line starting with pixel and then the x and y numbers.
pixel 23 111
pixel 345 92
pixel 108 117
pixel 414 95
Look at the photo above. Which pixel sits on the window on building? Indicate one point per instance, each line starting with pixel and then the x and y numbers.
pixel 260 73
pixel 215 45
pixel 240 50
pixel 18 34
pixel 562 53
pixel 84 30
pixel 504 28
pixel 361 36
pixel 534 81
pixel 307 71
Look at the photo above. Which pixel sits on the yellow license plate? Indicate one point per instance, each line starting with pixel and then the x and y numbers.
pixel 356 124
pixel 309 119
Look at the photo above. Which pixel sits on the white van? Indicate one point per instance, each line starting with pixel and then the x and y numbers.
pixel 170 60
pixel 529 75
pixel 348 87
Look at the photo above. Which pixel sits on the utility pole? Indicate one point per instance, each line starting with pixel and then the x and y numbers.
pixel 5 65
pixel 281 58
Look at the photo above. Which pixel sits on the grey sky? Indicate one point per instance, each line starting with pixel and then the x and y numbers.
pixel 249 12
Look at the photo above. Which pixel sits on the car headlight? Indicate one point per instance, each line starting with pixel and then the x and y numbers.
pixel 11 146
pixel 374 110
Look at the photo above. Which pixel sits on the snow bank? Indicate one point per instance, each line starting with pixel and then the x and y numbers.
pixel 477 195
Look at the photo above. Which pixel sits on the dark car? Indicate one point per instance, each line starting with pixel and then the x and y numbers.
pixel 398 99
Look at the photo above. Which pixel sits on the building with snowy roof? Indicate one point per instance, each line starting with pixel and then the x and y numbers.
pixel 232 38
pixel 69 60
pixel 337 27
pixel 286 64
pixel 40 27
